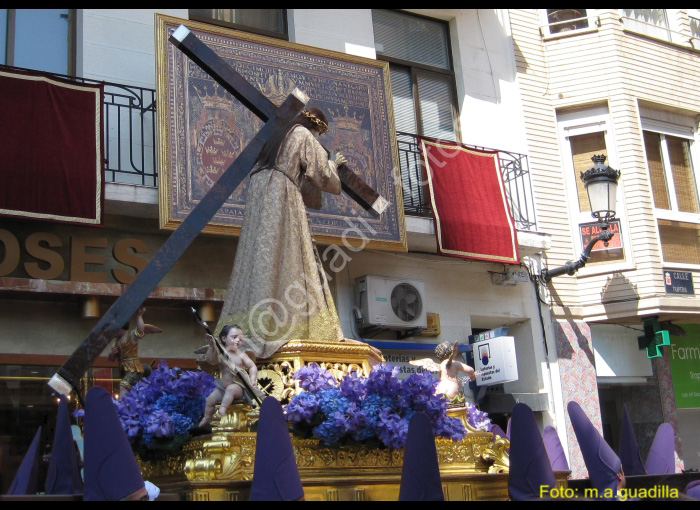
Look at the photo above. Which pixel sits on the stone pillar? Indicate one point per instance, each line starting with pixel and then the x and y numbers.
pixel 578 382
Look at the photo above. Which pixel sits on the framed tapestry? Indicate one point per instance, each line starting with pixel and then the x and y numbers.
pixel 202 129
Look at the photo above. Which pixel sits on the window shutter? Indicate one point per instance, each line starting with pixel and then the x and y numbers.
pixel 402 95
pixel 435 93
pixel 583 148
pixel 410 38
pixel 271 20
pixel 683 179
pixel 652 145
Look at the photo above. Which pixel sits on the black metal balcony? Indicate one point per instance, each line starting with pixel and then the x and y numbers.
pixel 514 168
pixel 130 131
pixel 130 153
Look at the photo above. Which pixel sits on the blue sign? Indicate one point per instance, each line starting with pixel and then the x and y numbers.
pixel 679 282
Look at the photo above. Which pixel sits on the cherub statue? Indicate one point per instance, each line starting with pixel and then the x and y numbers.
pixel 449 369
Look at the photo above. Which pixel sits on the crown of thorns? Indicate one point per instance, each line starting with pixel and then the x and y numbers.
pixel 321 125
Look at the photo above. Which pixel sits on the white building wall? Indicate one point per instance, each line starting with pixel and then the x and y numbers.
pixel 118 45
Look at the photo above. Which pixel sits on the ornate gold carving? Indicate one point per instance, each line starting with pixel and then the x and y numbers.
pixel 272 382
pixel 497 456
pixel 228 455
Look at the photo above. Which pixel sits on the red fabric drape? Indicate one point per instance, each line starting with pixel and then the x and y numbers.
pixel 51 165
pixel 470 207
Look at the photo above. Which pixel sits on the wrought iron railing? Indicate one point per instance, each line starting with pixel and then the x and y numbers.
pixel 514 168
pixel 129 129
pixel 130 152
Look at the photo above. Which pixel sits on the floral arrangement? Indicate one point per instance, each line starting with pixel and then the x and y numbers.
pixel 160 409
pixel 377 407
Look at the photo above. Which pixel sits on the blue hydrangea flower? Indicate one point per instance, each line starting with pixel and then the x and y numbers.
pixel 330 401
pixel 302 407
pixel 332 429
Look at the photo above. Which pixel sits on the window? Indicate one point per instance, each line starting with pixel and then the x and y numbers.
pixel 566 20
pixel 584 134
pixel 269 22
pixel 653 22
pixel 41 39
pixel 422 79
pixel 675 194
pixel 694 18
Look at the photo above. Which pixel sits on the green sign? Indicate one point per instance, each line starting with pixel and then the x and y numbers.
pixel 684 355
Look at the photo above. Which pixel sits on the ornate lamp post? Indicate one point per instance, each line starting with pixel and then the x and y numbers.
pixel 601 185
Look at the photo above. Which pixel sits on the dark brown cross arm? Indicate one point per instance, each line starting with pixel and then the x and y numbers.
pixel 261 106
pixel 68 376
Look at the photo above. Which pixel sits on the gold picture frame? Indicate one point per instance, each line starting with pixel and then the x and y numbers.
pixel 202 128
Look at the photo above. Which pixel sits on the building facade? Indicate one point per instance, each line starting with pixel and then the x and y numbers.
pixel 493 80
pixel 619 82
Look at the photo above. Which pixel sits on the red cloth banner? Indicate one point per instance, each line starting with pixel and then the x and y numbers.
pixel 470 207
pixel 51 164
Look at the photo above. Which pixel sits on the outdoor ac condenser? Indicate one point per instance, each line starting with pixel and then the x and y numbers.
pixel 395 303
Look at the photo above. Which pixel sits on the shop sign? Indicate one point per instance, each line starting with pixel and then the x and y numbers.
pixel 591 230
pixel 684 358
pixel 402 360
pixel 495 361
pixel 679 282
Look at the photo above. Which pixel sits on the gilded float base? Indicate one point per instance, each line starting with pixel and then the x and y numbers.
pixel 219 466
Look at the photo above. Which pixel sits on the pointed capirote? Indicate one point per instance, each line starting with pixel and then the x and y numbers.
pixel 25 481
pixel 63 476
pixel 660 460
pixel 602 462
pixel 420 474
pixel 555 451
pixel 530 468
pixel 629 450
pixel 111 470
pixel 275 473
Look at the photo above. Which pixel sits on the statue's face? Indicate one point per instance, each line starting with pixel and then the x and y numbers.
pixel 234 338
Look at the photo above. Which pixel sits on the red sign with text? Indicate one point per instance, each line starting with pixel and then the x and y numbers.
pixel 591 230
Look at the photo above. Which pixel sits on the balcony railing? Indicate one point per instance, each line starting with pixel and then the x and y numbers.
pixel 130 152
pixel 130 131
pixel 514 168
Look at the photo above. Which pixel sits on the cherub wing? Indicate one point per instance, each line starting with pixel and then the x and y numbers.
pixel 150 328
pixel 427 364
pixel 202 350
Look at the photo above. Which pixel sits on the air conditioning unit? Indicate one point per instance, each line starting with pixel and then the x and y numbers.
pixel 394 303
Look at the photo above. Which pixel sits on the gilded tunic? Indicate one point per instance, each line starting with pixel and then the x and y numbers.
pixel 278 289
pixel 129 353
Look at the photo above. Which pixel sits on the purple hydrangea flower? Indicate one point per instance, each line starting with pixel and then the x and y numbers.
pixel 378 406
pixel 164 405
pixel 478 419
pixel 382 380
pixel 313 378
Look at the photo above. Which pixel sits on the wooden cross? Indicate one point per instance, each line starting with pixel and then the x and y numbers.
pixel 68 376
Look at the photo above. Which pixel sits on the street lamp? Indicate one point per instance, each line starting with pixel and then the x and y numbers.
pixel 600 182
